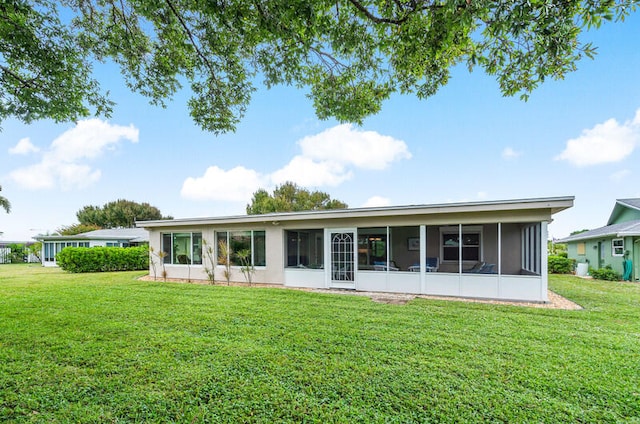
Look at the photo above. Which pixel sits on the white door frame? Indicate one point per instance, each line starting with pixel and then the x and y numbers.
pixel 342 264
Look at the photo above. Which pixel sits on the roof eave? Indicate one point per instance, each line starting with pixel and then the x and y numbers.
pixel 553 204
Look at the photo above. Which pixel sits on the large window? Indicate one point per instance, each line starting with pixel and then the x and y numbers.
pixel 51 249
pixel 182 248
pixel 471 243
pixel 372 249
pixel 253 242
pixel 617 247
pixel 581 249
pixel 305 249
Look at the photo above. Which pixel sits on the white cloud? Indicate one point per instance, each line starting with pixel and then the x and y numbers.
pixel 305 172
pixel 482 195
pixel 327 159
pixel 90 138
pixel 605 143
pixel 376 201
pixel 508 153
pixel 64 163
pixel 236 185
pixel 620 176
pixel 362 149
pixel 24 147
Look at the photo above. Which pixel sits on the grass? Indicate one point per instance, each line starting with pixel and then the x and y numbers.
pixel 108 348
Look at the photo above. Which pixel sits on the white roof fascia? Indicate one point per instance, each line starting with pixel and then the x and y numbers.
pixel 553 204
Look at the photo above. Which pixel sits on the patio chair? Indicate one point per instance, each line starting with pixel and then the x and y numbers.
pixel 382 266
pixel 432 264
pixel 475 269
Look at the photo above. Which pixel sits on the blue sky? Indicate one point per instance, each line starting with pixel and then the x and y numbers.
pixel 579 137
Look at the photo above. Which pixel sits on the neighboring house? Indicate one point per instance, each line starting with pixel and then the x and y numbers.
pixel 494 249
pixel 117 237
pixel 612 244
pixel 5 251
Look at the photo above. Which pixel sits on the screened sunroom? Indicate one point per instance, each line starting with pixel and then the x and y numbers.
pixel 491 250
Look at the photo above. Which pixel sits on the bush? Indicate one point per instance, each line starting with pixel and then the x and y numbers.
pixel 560 265
pixel 102 259
pixel 18 253
pixel 606 273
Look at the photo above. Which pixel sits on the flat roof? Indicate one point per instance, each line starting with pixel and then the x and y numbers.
pixel 130 234
pixel 552 204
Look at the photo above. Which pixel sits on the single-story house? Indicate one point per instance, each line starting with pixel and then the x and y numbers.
pixel 116 237
pixel 491 249
pixel 614 244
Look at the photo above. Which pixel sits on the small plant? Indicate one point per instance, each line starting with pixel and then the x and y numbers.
pixel 607 273
pixel 152 262
pixel 210 267
pixel 35 249
pixel 246 267
pixel 223 259
pixel 160 255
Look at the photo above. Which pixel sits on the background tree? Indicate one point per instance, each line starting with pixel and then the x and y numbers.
pixel 4 203
pixel 573 233
pixel 118 214
pixel 289 197
pixel 350 54
pixel 72 230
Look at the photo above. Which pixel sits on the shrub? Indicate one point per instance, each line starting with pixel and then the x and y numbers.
pixel 606 273
pixel 101 259
pixel 18 253
pixel 560 265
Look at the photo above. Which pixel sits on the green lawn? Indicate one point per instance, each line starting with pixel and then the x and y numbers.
pixel 109 348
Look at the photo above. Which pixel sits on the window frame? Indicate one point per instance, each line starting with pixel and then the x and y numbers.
pixel 615 247
pixel 462 231
pixel 252 240
pixel 304 241
pixel 168 259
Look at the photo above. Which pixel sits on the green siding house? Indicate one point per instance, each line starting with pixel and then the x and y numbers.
pixel 613 244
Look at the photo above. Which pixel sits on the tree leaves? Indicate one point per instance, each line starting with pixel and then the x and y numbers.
pixel 118 214
pixel 289 197
pixel 350 55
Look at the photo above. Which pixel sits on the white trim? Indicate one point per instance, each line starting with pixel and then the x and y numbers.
pixel 614 247
pixel 461 229
pixel 329 262
pixel 499 230
pixel 423 258
pixel 544 274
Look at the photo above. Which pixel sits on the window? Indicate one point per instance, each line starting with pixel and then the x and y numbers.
pixel 617 247
pixel 305 249
pixel 372 248
pixel 253 241
pixel 182 248
pixel 531 248
pixel 470 244
pixel 49 254
pixel 581 248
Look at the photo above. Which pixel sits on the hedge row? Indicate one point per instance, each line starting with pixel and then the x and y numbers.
pixel 101 259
